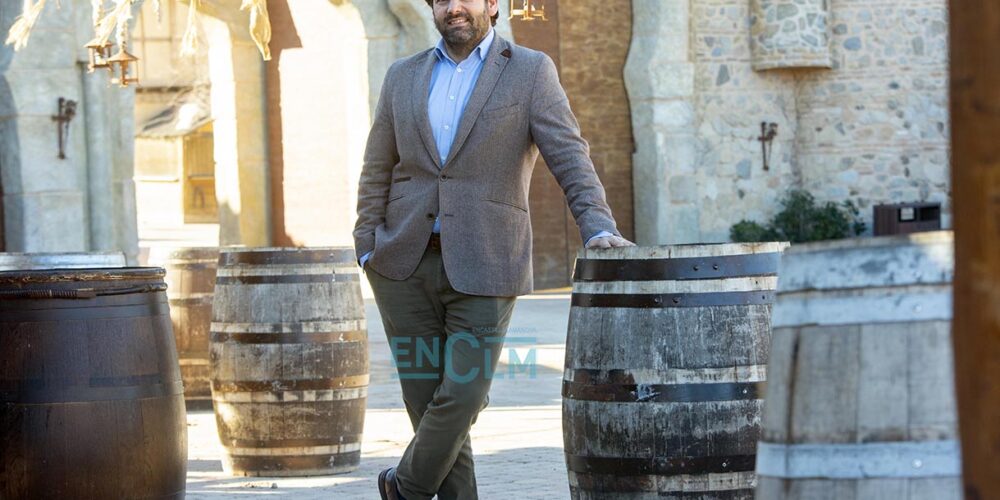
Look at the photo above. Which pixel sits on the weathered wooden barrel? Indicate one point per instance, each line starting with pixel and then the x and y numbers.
pixel 289 360
pixel 190 283
pixel 860 394
pixel 665 370
pixel 92 397
pixel 28 261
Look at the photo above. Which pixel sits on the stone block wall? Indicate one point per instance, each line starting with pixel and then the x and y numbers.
pixel 873 128
pixel 789 34
pixel 85 201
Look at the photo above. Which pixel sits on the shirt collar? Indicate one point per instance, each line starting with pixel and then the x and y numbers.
pixel 481 50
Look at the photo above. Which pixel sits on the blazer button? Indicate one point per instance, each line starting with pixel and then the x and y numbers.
pixel 430 216
pixel 444 177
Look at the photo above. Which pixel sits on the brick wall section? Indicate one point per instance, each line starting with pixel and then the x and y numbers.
pixel 589 46
pixel 594 41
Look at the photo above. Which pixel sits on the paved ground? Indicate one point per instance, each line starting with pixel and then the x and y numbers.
pixel 517 440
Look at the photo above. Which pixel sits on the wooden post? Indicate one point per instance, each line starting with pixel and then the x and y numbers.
pixel 975 112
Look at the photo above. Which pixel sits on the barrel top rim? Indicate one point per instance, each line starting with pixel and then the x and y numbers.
pixel 687 250
pixel 81 274
pixel 921 238
pixel 56 254
pixel 283 249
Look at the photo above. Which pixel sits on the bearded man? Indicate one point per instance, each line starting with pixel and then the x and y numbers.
pixel 444 232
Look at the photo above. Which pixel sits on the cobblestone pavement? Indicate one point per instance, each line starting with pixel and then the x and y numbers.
pixel 517 440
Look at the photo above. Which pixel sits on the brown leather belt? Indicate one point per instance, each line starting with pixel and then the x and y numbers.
pixel 435 242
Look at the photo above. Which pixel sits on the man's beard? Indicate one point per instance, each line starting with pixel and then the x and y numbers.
pixel 473 31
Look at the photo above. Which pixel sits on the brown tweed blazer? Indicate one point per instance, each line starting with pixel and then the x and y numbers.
pixel 516 109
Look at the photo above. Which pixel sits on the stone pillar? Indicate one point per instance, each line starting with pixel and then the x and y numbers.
pixel 659 76
pixel 241 171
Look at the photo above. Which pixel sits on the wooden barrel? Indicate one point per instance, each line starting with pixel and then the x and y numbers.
pixel 92 397
pixel 665 370
pixel 190 283
pixel 860 399
pixel 289 359
pixel 28 261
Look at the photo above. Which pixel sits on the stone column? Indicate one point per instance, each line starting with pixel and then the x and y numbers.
pixel 241 171
pixel 45 206
pixel 659 76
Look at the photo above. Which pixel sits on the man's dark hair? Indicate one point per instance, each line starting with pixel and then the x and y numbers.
pixel 493 19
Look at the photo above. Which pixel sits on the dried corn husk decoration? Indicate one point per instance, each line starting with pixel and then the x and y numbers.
pixel 189 43
pixel 116 19
pixel 98 7
pixel 21 29
pixel 260 25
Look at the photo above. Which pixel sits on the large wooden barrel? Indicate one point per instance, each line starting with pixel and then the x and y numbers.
pixel 665 370
pixel 10 261
pixel 289 358
pixel 860 401
pixel 92 397
pixel 190 283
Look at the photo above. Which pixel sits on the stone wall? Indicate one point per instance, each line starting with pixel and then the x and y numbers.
pixel 85 201
pixel 873 128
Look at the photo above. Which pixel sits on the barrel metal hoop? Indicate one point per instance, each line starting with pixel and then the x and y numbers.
pixel 150 308
pixel 283 465
pixel 689 268
pixel 665 300
pixel 291 338
pixel 346 441
pixel 285 257
pixel 100 389
pixel 286 279
pixel 290 385
pixel 663 393
pixel 860 460
pixel 663 466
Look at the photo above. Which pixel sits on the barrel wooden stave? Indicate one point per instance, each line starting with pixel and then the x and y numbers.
pixel 852 370
pixel 289 358
pixel 91 391
pixel 191 282
pixel 698 439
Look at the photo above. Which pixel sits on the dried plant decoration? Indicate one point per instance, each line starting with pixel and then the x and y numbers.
pixel 20 31
pixel 116 19
pixel 97 6
pixel 260 25
pixel 189 43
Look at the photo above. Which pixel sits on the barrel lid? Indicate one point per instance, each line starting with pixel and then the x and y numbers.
pixel 683 251
pixel 160 255
pixel 884 261
pixel 95 281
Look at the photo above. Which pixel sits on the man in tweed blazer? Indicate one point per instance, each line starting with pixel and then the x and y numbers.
pixel 443 228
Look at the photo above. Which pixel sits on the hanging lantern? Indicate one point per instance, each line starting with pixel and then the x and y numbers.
pixel 527 10
pixel 99 54
pixel 123 60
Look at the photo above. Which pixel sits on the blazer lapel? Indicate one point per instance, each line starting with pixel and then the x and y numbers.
pixel 421 92
pixel 492 67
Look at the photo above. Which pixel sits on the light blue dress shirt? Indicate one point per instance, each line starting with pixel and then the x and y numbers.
pixel 451 86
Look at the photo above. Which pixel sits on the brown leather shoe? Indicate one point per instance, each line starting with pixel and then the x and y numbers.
pixel 387 485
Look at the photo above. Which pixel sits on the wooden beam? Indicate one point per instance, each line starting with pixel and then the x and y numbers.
pixel 975 177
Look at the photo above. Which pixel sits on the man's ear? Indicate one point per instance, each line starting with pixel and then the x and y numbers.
pixel 494 7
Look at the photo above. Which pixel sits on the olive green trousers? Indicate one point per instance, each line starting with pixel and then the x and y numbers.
pixel 445 346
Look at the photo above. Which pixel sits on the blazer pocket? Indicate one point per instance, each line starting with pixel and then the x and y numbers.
pixel 507 204
pixel 501 112
pixel 394 198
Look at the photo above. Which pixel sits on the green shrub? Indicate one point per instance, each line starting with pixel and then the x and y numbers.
pixel 801 220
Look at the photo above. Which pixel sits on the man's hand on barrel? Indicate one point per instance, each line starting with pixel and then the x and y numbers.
pixel 609 241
